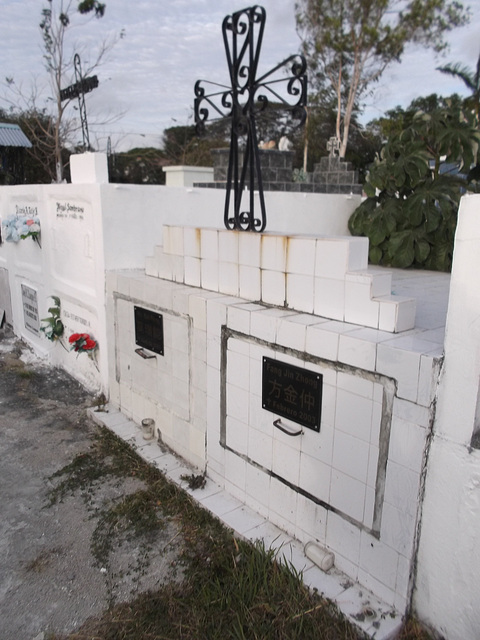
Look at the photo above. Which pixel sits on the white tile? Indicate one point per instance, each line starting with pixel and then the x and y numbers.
pixel 263 324
pixel 151 268
pixel 315 477
pixel 355 384
pixel 379 560
pixel 221 503
pixel 369 510
pixel 329 298
pixel 283 505
pixel 239 318
pixel 311 520
pixel 427 379
pixel 237 403
pixel 372 466
pixel 359 307
pixel 228 278
pixel 328 585
pixel 286 461
pixel 243 519
pixel 407 444
pixel 191 242
pixel 274 251
pixel 397 529
pixel 260 448
pixel 356 352
pixel 300 292
pixel 235 472
pixel 249 250
pixel 411 412
pixel 273 287
pixel 402 365
pixel 209 244
pixel 291 334
pixel 347 495
pixel 332 257
pixel 343 537
pixel 322 343
pixel 228 246
pixel 301 256
pixel 271 536
pixel 209 274
pixel 249 281
pixel 257 490
pixel 319 445
pixel 238 369
pixel 350 455
pixel 358 253
pixel 353 414
pixel 401 488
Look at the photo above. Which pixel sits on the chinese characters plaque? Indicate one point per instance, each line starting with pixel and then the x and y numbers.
pixel 292 392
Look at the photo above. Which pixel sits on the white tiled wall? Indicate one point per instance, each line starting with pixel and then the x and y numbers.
pixel 352 487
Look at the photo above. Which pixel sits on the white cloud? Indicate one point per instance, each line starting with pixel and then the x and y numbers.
pixel 150 73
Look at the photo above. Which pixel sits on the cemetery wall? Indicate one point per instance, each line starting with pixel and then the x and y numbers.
pixel 90 227
pixel 235 386
pixel 448 573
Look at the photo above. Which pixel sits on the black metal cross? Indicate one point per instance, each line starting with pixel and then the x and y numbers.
pixel 242 101
pixel 78 90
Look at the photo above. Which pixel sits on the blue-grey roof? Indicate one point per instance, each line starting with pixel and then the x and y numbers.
pixel 12 136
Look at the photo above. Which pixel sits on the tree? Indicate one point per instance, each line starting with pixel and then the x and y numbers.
pixel 414 188
pixel 349 43
pixel 471 79
pixel 49 129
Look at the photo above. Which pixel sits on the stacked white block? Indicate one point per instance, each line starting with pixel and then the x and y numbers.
pixel 325 276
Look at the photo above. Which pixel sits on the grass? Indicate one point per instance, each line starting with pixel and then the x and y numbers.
pixel 231 589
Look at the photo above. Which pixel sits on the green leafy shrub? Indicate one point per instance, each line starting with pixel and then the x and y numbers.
pixel 410 212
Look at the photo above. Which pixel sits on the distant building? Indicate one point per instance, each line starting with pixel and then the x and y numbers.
pixel 13 143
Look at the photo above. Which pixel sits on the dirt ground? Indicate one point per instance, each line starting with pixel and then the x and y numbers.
pixel 49 581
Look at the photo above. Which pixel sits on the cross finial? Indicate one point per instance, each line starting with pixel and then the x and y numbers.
pixel 242 101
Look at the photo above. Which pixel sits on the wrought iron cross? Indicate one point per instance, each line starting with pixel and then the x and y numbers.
pixel 78 90
pixel 242 101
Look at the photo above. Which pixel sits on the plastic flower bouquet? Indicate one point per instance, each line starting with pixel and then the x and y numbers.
pixel 18 228
pixel 82 343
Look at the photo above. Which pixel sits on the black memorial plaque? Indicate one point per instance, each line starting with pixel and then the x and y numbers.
pixel 292 392
pixel 149 330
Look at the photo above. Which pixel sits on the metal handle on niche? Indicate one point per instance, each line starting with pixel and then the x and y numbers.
pixel 143 354
pixel 290 432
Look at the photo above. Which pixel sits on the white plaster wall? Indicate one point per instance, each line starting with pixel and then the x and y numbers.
pixel 448 571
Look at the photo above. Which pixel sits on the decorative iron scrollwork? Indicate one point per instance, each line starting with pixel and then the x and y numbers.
pixel 242 101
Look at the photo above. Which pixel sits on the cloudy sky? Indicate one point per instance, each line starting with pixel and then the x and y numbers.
pixel 146 83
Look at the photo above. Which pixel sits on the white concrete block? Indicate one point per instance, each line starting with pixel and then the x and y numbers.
pixel 359 306
pixel 273 287
pixel 228 246
pixel 89 168
pixel 332 258
pixel 249 250
pixel 209 274
pixel 301 256
pixel 322 343
pixel 358 254
pixel 329 299
pixel 228 278
pixel 151 267
pixel 192 271
pixel 274 252
pixel 291 334
pixel 209 244
pixel 249 280
pixel 402 365
pixel 300 292
pixel 357 352
pixel 191 242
